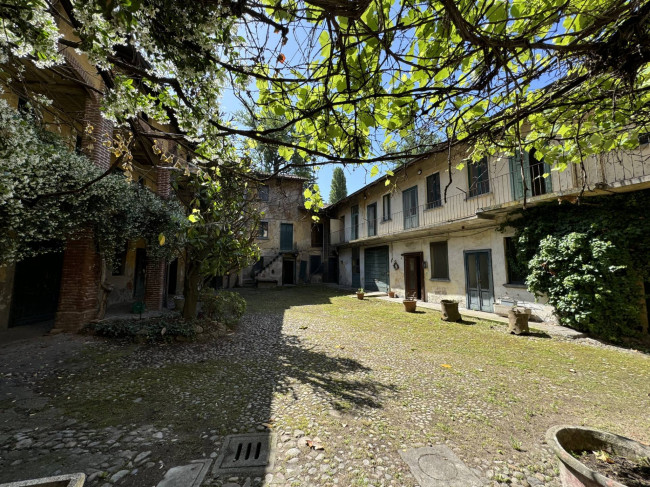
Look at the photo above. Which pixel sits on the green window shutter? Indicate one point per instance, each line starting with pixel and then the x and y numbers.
pixel 548 180
pixel 515 178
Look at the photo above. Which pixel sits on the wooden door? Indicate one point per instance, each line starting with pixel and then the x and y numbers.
pixel 413 275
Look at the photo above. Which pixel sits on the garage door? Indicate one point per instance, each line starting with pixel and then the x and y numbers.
pixel 376 269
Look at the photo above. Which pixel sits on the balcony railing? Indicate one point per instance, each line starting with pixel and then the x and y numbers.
pixel 501 193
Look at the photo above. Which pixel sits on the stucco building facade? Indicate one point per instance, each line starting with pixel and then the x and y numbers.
pixel 408 237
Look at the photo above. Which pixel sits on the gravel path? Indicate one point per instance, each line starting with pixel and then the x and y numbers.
pixel 345 386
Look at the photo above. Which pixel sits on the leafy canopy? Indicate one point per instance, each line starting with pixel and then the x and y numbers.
pixel 350 76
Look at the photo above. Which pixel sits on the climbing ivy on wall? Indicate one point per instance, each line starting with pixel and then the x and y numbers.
pixel 590 259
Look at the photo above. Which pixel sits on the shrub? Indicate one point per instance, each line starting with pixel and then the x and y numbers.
pixel 225 307
pixel 160 328
pixel 590 260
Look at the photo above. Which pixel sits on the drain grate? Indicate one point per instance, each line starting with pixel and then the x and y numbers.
pixel 253 454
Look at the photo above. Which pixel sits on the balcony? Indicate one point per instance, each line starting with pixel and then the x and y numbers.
pixel 599 177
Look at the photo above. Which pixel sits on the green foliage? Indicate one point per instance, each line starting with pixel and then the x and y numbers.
pixel 267 157
pixel 40 209
pixel 574 75
pixel 159 329
pixel 339 189
pixel 590 260
pixel 226 307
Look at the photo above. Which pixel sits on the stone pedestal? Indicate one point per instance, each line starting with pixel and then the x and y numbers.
pixel 518 320
pixel 450 310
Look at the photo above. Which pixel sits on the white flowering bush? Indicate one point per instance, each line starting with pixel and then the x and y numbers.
pixel 37 215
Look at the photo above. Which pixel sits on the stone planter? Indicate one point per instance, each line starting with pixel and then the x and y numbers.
pixel 360 295
pixel 449 310
pixel 518 320
pixel 573 473
pixel 409 305
pixel 179 303
pixel 73 480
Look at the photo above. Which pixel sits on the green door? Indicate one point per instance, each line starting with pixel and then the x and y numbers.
pixel 376 269
pixel 286 237
pixel 478 272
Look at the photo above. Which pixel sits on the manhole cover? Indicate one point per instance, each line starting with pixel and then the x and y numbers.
pixel 438 466
pixel 253 454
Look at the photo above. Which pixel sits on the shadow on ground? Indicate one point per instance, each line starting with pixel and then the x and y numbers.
pixel 73 404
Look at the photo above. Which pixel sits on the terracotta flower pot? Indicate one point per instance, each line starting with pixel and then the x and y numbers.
pixel 360 295
pixel 450 310
pixel 565 440
pixel 409 305
pixel 391 294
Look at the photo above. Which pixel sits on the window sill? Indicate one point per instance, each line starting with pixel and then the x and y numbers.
pixel 516 286
pixel 439 279
pixel 262 238
pixel 386 220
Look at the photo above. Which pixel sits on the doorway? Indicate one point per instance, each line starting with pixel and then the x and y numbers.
pixel 36 289
pixel 356 268
pixel 413 275
pixel 288 271
pixel 139 274
pixel 478 272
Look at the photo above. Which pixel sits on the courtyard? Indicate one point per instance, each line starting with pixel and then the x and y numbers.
pixel 344 385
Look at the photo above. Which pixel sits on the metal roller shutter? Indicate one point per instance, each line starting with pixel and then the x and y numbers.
pixel 376 269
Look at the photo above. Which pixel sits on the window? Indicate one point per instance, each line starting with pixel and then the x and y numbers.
pixel 354 229
pixel 479 179
pixel 410 201
pixel 534 170
pixel 644 139
pixel 263 230
pixel 317 235
pixel 515 269
pixel 372 219
pixel 439 261
pixel 263 192
pixel 386 207
pixel 433 191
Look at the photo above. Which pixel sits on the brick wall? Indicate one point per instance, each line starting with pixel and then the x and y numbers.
pixel 78 298
pixel 92 144
pixel 154 284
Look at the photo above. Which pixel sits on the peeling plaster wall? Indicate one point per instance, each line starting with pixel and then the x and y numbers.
pixel 345 267
pixel 285 205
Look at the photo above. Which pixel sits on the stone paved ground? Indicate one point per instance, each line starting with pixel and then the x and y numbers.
pixel 358 380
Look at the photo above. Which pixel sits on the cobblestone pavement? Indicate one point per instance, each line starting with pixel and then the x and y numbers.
pixel 344 384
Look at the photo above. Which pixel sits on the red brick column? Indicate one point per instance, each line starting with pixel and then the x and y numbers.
pixel 154 288
pixel 79 292
pixel 92 143
pixel 78 297
pixel 154 291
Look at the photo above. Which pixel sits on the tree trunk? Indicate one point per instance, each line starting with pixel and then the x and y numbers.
pixel 104 288
pixel 191 290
